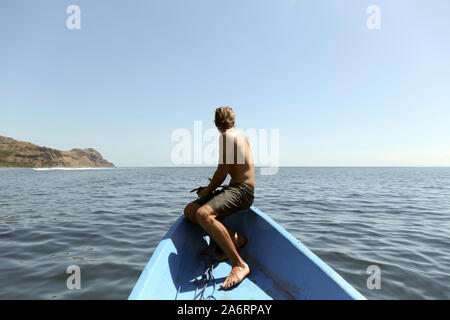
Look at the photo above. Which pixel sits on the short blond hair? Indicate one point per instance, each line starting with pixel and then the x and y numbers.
pixel 224 118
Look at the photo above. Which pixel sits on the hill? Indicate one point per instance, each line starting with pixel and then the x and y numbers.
pixel 15 153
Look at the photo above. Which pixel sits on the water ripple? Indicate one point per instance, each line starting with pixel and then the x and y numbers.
pixel 109 222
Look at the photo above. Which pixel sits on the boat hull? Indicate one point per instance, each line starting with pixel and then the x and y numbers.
pixel 281 266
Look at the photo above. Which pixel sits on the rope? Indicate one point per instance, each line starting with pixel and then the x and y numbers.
pixel 197 190
pixel 210 261
pixel 207 278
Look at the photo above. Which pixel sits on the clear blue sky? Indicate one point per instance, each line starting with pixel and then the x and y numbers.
pixel 339 93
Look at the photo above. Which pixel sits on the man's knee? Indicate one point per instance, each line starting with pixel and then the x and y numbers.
pixel 205 213
pixel 190 210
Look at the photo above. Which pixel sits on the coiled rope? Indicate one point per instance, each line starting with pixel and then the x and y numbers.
pixel 201 283
pixel 207 278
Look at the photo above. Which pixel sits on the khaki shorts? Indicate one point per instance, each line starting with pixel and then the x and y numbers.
pixel 229 200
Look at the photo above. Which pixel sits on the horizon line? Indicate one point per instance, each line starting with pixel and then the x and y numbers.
pixel 174 167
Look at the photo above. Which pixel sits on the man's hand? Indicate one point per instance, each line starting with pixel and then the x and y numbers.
pixel 203 192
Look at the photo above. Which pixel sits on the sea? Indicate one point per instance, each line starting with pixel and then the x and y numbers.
pixel 388 222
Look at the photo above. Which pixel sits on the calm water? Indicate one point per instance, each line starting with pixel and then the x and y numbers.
pixel 108 222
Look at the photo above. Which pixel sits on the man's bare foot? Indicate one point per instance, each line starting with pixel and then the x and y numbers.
pixel 237 274
pixel 238 240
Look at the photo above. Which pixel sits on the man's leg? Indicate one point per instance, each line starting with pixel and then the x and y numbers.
pixel 237 239
pixel 206 218
pixel 190 210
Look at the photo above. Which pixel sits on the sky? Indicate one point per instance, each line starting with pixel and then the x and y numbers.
pixel 339 93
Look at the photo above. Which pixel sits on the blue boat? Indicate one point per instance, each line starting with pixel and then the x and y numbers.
pixel 281 266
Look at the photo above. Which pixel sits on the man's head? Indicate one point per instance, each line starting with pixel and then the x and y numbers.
pixel 224 118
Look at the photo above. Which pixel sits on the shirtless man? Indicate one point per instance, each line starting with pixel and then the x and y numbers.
pixel 236 160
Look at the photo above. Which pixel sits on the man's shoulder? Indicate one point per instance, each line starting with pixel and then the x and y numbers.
pixel 234 133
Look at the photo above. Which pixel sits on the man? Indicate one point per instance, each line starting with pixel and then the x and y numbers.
pixel 212 206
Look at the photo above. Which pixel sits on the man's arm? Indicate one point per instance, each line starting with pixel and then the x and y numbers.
pixel 221 172
pixel 219 176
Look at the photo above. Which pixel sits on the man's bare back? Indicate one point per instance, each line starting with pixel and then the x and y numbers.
pixel 241 168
